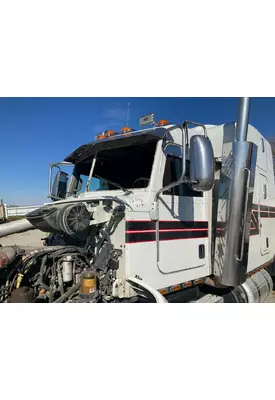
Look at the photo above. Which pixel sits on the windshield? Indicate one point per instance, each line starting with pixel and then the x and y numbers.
pixel 127 167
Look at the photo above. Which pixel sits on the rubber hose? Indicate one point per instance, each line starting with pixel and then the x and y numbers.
pixel 68 293
pixel 42 272
pixel 65 249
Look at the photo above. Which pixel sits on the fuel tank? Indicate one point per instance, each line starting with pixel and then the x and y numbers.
pixel 255 289
pixel 258 287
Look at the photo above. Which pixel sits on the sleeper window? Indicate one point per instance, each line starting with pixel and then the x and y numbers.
pixel 172 174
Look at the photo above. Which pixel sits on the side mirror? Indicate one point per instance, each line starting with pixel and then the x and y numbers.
pixel 202 167
pixel 59 187
pixel 79 186
pixel 172 149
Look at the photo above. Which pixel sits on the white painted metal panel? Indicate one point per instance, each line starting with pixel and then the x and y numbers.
pixel 20 210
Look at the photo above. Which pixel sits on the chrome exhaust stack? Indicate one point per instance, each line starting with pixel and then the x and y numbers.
pixel 234 271
pixel 235 201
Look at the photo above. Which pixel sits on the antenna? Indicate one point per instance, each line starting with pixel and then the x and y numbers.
pixel 128 111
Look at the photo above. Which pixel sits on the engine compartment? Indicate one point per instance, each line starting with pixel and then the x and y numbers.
pixel 77 264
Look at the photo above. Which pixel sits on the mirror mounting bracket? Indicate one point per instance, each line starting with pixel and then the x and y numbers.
pixel 154 208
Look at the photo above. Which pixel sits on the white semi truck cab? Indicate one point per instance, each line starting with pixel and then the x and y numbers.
pixel 177 213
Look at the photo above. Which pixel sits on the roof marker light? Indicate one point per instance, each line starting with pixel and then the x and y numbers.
pixel 163 122
pixel 126 129
pixel 109 133
pixel 100 136
pixel 105 134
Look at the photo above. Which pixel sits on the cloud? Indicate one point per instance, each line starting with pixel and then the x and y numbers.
pixel 116 114
pixel 112 118
pixel 97 128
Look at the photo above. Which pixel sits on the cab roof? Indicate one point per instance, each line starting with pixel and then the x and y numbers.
pixel 118 140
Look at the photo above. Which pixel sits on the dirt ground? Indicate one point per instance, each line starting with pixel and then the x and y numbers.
pixel 33 239
pixel 30 238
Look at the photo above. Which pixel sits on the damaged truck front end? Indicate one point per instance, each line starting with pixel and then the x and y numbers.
pixel 83 257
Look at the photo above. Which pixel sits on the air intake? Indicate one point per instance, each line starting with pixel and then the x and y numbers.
pixel 71 219
pixel 74 219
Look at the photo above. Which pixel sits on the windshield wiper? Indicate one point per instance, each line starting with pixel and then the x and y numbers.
pixel 126 191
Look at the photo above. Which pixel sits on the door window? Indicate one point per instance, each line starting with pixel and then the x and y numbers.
pixel 172 174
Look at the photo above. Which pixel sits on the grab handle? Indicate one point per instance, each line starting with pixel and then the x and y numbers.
pixel 244 214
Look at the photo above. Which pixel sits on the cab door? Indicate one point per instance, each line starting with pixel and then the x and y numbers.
pixel 183 227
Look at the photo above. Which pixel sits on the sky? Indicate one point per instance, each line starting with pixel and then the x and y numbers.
pixel 35 132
